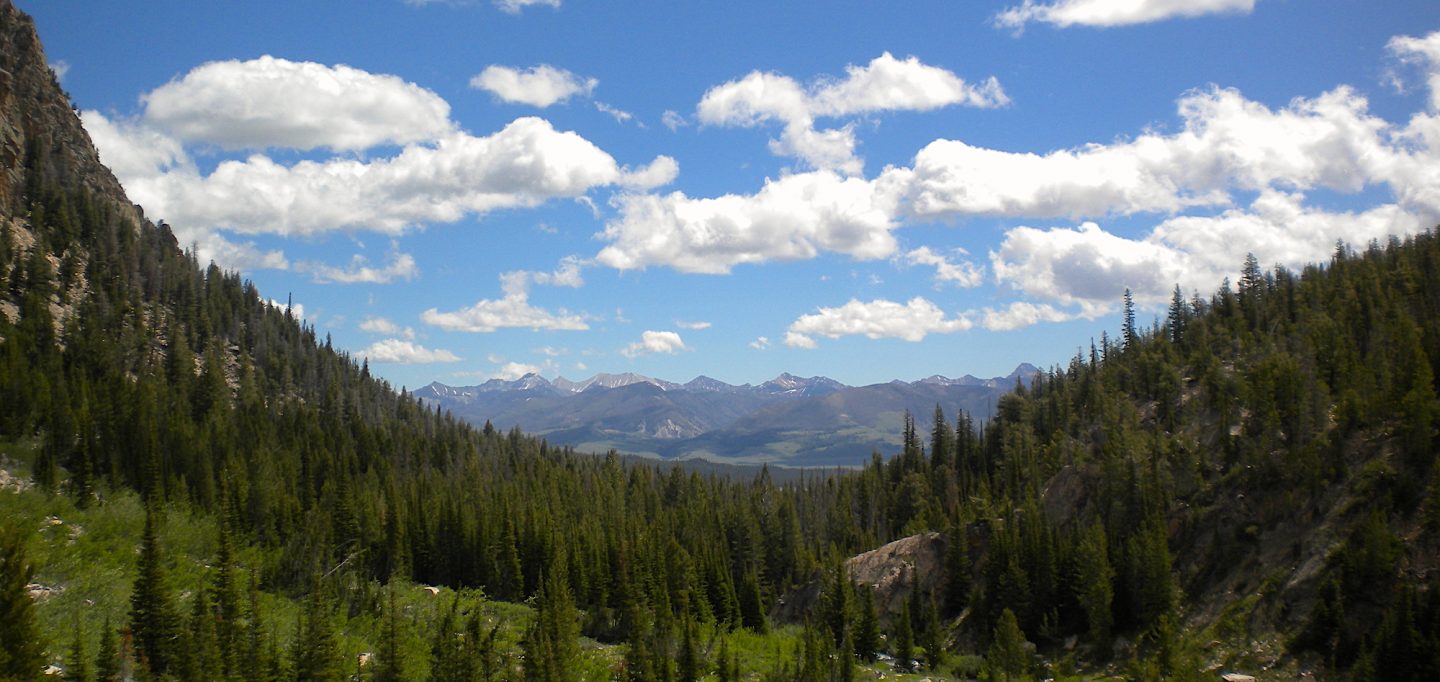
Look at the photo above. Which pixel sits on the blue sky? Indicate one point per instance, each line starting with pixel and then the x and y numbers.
pixel 466 190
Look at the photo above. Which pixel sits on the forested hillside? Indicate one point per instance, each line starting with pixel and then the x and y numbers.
pixel 1248 483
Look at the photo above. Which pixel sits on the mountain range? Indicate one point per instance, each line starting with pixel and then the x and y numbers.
pixel 788 420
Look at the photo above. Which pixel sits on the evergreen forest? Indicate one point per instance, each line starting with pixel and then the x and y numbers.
pixel 197 486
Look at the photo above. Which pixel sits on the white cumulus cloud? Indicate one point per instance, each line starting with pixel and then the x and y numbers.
pixel 792 218
pixel 400 266
pixel 538 86
pixel 1066 13
pixel 242 256
pixel 513 310
pixel 673 120
pixel 272 102
pixel 962 274
pixel 419 167
pixel 1085 264
pixel 381 325
pixel 525 164
pixel 1091 268
pixel 511 371
pixel 1425 53
pixel 295 309
pixel 514 6
pixel 1019 314
pixel 1225 147
pixel 885 84
pixel 876 319
pixel 1227 142
pixel 654 342
pixel 402 352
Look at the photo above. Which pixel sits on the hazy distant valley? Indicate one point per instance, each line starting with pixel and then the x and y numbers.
pixel 789 420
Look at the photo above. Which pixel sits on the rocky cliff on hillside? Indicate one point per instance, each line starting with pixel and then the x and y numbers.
pixel 38 130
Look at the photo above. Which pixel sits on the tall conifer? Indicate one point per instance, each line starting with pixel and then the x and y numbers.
pixel 153 619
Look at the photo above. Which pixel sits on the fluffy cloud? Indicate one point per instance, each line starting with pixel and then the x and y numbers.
pixel 1424 52
pixel 242 256
pixel 137 154
pixel 295 309
pixel 654 342
pixel 1226 142
pixel 792 218
pixel 1024 313
pixel 403 352
pixel 1065 13
pixel 438 174
pixel 380 325
pixel 1280 230
pixel 1091 268
pixel 619 115
pixel 760 343
pixel 911 321
pixel 513 310
pixel 524 164
pixel 514 6
pixel 270 102
pixel 962 274
pixel 885 84
pixel 568 274
pixel 511 371
pixel 539 86
pixel 673 120
pixel 1087 264
pixel 400 266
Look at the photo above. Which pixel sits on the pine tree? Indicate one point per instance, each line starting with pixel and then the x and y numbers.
pixel 1150 583
pixel 941 441
pixel 867 629
pixel 690 665
pixel 931 635
pixel 153 620
pixel 201 660
pixel 727 667
pixel 957 569
pixel 107 661
pixel 1177 317
pixel 904 637
pixel 1094 578
pixel 752 605
pixel 316 653
pixel 390 668
pixel 226 590
pixel 846 673
pixel 22 654
pixel 253 664
pixel 1007 657
pixel 1131 336
pixel 639 662
pixel 835 610
pixel 448 659
pixel 552 642
pixel 77 669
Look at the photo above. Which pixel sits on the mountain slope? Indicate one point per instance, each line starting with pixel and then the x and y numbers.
pixel 788 420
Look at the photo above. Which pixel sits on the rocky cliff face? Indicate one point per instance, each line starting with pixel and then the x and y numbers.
pixel 39 126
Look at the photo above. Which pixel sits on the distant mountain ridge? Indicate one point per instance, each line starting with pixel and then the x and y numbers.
pixel 790 420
